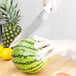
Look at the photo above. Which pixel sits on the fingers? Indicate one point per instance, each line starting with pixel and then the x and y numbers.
pixel 56 51
pixel 45 50
pixel 37 38
pixel 41 44
pixel 42 41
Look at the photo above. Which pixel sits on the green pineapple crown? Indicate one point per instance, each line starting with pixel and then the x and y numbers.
pixel 10 12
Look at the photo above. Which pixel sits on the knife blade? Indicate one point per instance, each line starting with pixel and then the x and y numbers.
pixel 42 16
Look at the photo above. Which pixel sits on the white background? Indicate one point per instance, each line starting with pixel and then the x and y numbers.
pixel 61 25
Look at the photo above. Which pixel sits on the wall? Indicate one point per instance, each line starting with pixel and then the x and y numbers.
pixel 61 25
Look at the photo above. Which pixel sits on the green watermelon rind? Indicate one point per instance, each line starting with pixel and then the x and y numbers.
pixel 28 62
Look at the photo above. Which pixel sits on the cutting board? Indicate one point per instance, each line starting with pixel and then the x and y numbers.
pixel 56 63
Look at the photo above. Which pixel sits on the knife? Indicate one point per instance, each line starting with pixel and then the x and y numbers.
pixel 42 16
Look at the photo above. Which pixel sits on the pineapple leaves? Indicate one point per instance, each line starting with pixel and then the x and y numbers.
pixel 11 16
pixel 10 12
pixel 11 3
pixel 3 11
pixel 16 5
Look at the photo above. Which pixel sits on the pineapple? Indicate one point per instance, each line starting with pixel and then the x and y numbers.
pixel 10 14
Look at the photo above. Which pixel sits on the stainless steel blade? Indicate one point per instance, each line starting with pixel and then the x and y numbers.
pixel 35 25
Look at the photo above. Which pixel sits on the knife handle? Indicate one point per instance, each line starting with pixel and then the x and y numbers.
pixel 48 7
pixel 52 6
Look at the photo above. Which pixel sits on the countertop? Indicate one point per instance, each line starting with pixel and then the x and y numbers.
pixel 56 63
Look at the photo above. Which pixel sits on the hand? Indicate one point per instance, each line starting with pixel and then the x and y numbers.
pixel 56 46
pixel 54 4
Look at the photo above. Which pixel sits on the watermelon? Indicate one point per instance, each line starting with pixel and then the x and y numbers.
pixel 26 58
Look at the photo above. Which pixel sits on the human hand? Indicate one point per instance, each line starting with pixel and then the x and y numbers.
pixel 54 4
pixel 56 46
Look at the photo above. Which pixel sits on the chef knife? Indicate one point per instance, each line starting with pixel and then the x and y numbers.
pixel 42 16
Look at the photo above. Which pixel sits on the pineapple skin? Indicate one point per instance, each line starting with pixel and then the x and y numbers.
pixel 11 15
pixel 9 34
